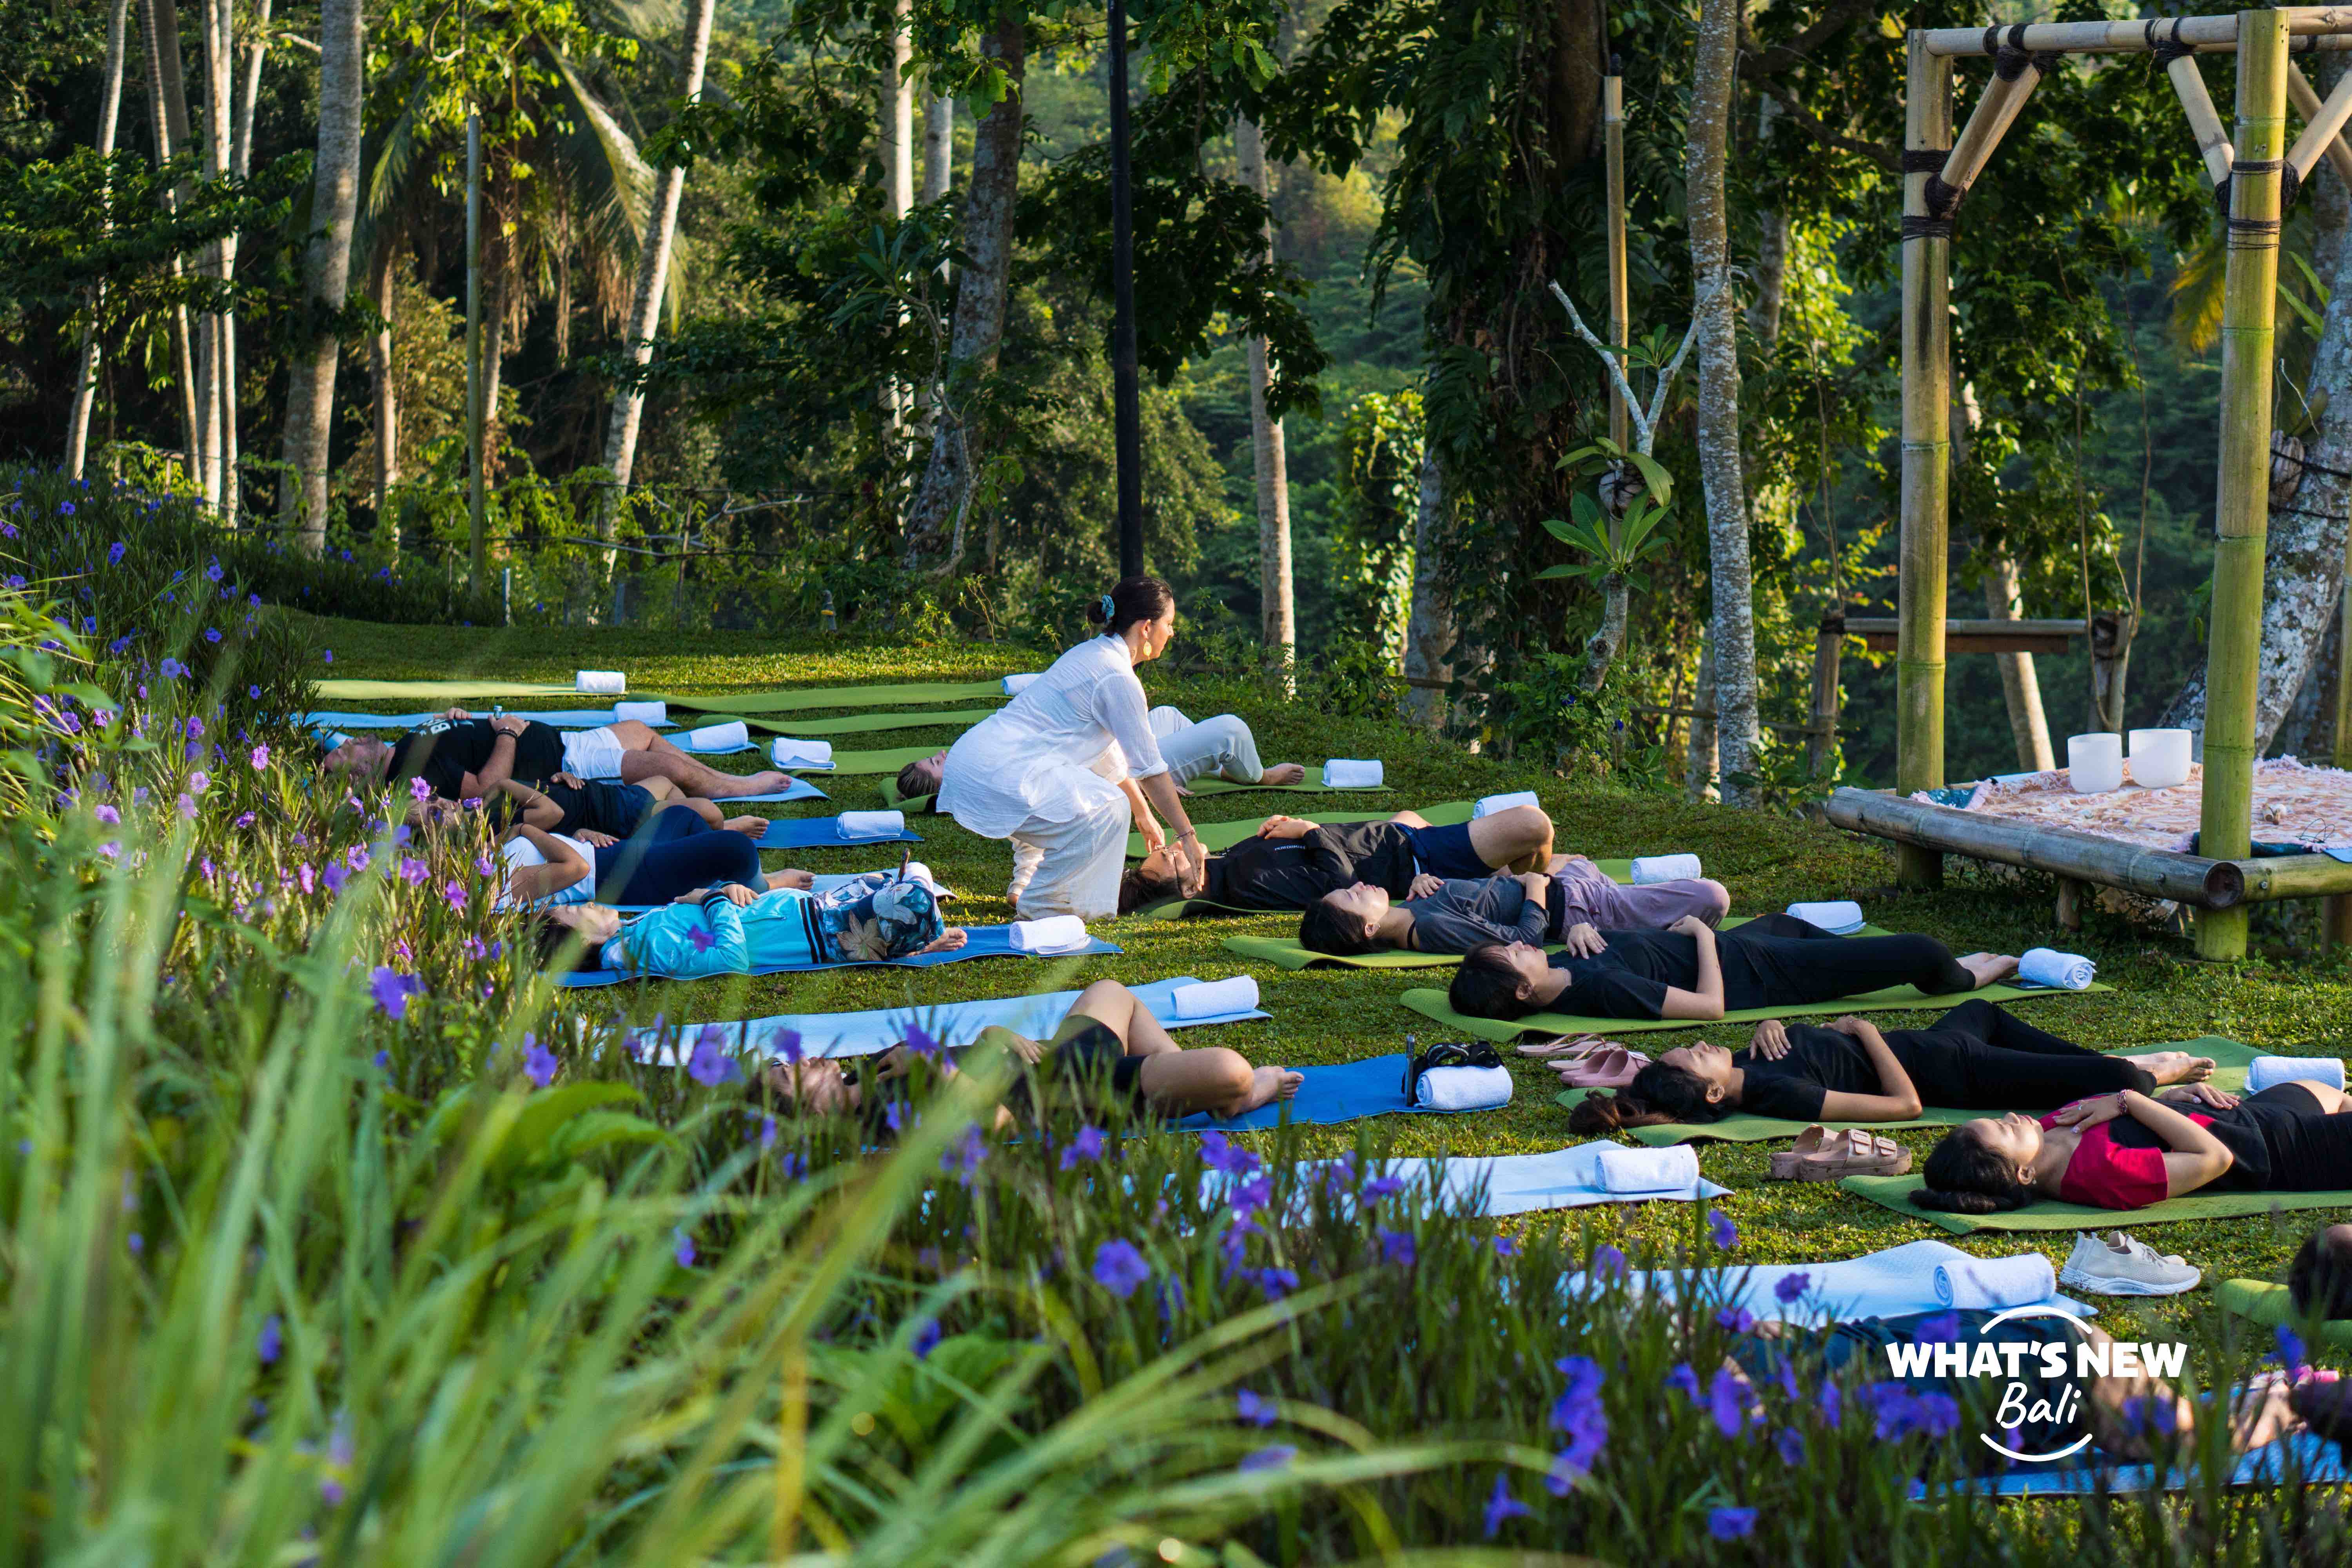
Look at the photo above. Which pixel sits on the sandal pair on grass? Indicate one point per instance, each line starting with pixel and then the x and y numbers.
pixel 1822 1156
pixel 1588 1061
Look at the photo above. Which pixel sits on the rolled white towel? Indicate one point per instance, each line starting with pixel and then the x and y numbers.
pixel 1352 772
pixel 2264 1072
pixel 1056 933
pixel 610 682
pixel 872 823
pixel 1462 1088
pixel 1166 720
pixel 1995 1284
pixel 1623 1169
pixel 1653 869
pixel 1014 685
pixel 1216 998
pixel 1835 914
pixel 2059 970
pixel 788 752
pixel 656 713
pixel 1489 804
pixel 731 736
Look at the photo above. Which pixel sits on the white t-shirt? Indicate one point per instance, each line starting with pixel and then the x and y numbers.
pixel 1021 763
pixel 520 853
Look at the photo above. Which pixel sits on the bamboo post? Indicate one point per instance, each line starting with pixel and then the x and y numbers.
pixel 2304 100
pixel 1926 448
pixel 2242 503
pixel 2015 76
pixel 478 418
pixel 2320 125
pixel 1829 647
pixel 1620 310
pixel 2204 119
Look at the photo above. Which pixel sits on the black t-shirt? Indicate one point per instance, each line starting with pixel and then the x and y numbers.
pixel 444 752
pixel 1262 873
pixel 1630 977
pixel 1819 1061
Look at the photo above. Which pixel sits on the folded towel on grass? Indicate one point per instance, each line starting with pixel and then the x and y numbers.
pixel 1432 1005
pixel 787 752
pixel 1489 804
pixel 1462 1088
pixel 868 1032
pixel 656 712
pixel 601 681
pixel 1057 934
pixel 1238 994
pixel 872 823
pixel 1352 772
pixel 1625 1170
pixel 1648 869
pixel 2230 1059
pixel 1995 1284
pixel 981 942
pixel 2264 1072
pixel 821 832
pixel 731 736
pixel 1842 916
pixel 2059 970
pixel 1890 1283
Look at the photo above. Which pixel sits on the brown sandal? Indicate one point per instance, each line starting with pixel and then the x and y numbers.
pixel 1822 1156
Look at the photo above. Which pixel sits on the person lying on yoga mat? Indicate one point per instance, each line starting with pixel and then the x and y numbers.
pixel 676 852
pixel 1974 1057
pixel 2130 1417
pixel 1291 861
pixel 1061 769
pixel 2126 1150
pixel 1109 1056
pixel 735 928
pixel 1221 747
pixel 1688 971
pixel 575 808
pixel 2319 1281
pixel 462 757
pixel 1509 906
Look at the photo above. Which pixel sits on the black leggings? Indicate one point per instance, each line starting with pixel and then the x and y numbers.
pixel 675 852
pixel 2284 1142
pixel 1979 1058
pixel 1779 961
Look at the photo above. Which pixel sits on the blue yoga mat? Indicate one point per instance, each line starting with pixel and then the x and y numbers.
pixel 800 789
pixel 2317 1459
pixel 982 942
pixel 816 832
pixel 866 1033
pixel 1348 1092
pixel 562 718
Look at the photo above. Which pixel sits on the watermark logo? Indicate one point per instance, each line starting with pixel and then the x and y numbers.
pixel 2043 1380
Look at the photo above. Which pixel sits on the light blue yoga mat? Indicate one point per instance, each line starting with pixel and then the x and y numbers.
pixel 562 718
pixel 2317 1459
pixel 801 789
pixel 1510 1183
pixel 1891 1283
pixel 863 1033
pixel 982 942
pixel 817 832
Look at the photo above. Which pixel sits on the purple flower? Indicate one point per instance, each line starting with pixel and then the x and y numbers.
pixel 1276 1283
pixel 108 814
pixel 1381 1187
pixel 1501 1506
pixel 1832 1407
pixel 1726 1401
pixel 1792 1286
pixel 1397 1247
pixel 328 656
pixel 212 634
pixel 454 892
pixel 1258 1412
pixel 702 940
pixel 420 789
pixel 334 875
pixel 1276 1458
pixel 1720 1229
pixel 1253 1195
pixel 1119 1268
pixel 245 819
pixel 113 552
pixel 1086 1145
pixel 920 1041
pixel 711 1064
pixel 1730 1523
pixel 1608 1263
pixel 767 1133
pixel 683 1252
pixel 1735 1320
pixel 926 1339
pixel 1505 1247
pixel 270 1344
pixel 393 989
pixel 1685 1378
pixel 412 871
pixel 1791 1444
pixel 187 808
pixel 2290 1348
pixel 538 1061
pixel 260 757
pixel 961 1158
pixel 1218 1155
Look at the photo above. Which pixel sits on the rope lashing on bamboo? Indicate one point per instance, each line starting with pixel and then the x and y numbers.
pixel 2289 184
pixel 1916 228
pixel 1925 160
pixel 2165 51
pixel 1928 161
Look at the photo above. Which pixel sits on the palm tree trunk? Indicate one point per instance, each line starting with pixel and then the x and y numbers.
pixel 1277 607
pixel 109 108
pixel 387 404
pixel 897 124
pixel 494 359
pixel 1720 473
pixel 240 164
pixel 1699 753
pixel 944 496
pixel 212 365
pixel 645 305
pixel 1431 637
pixel 2021 685
pixel 327 267
pixel 939 145
pixel 167 100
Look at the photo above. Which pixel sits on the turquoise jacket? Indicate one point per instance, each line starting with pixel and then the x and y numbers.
pixel 874 918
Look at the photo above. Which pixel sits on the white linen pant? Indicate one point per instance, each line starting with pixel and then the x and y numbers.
pixel 1219 747
pixel 1072 867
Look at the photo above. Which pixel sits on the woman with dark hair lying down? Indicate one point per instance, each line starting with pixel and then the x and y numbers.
pixel 1457 913
pixel 1109 1052
pixel 1688 971
pixel 1974 1057
pixel 2128 1150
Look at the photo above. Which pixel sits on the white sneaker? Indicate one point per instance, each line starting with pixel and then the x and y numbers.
pixel 2117 1265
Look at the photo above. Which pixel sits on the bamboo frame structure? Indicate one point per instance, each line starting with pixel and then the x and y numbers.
pixel 2251 163
pixel 1621 307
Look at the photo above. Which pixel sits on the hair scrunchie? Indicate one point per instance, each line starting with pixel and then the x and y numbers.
pixel 1109 610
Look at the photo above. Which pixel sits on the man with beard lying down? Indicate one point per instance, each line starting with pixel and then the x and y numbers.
pixel 462 757
pixel 1290 862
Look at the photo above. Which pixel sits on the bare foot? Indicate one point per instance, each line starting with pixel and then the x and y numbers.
pixel 755 825
pixel 1282 774
pixel 1990 967
pixel 1267 1085
pixel 2174 1067
pixel 788 878
pixel 769 782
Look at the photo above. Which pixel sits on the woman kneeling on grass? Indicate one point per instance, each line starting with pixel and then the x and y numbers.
pixel 1974 1057
pixel 1110 1055
pixel 1688 971
pixel 2126 1150
pixel 733 929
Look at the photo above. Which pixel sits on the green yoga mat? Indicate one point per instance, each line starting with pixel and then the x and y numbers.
pixel 857 724
pixel 443 691
pixel 1216 836
pixel 1288 952
pixel 1893 998
pixel 2230 1060
pixel 2267 1305
pixel 1895 1192
pixel 888 760
pixel 793 701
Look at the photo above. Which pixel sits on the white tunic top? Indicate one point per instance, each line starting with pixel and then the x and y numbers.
pixel 1019 764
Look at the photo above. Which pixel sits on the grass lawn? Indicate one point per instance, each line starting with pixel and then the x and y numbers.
pixel 2287 1000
